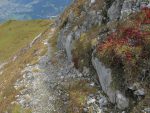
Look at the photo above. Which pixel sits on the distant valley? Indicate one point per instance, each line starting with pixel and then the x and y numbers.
pixel 31 9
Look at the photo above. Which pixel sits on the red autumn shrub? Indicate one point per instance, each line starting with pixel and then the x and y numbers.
pixel 128 43
pixel 146 11
pixel 130 40
pixel 127 50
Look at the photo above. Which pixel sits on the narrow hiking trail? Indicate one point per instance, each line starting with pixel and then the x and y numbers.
pixel 42 83
pixel 52 85
pixel 42 88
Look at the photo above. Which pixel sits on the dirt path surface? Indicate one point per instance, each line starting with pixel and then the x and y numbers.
pixel 42 87
pixel 52 85
pixel 42 84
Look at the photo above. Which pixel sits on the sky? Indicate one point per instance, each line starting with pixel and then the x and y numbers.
pixel 31 9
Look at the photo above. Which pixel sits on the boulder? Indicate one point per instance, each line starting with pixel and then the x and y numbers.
pixel 103 101
pixel 139 92
pixel 130 6
pixel 114 11
pixel 126 8
pixel 93 1
pixel 105 78
pixel 68 46
pixel 122 101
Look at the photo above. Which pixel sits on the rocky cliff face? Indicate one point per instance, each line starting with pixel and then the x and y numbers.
pixel 77 22
pixel 105 77
pixel 84 25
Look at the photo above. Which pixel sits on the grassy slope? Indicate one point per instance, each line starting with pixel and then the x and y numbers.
pixel 16 34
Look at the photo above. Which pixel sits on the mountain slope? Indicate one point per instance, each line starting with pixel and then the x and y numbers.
pixel 17 34
pixel 97 61
pixel 40 80
pixel 111 37
pixel 15 42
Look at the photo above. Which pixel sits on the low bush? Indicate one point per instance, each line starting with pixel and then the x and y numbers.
pixel 83 48
pixel 128 48
pixel 82 52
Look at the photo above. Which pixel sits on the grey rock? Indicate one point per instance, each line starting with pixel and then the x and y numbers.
pixel 35 39
pixel 86 71
pixel 61 40
pixel 80 75
pixel 2 65
pixel 114 11
pixel 92 84
pixel 122 101
pixel 91 17
pixel 123 112
pixel 133 88
pixel 130 6
pixel 126 8
pixel 93 1
pixel 85 110
pixel 71 16
pixel 91 100
pixel 77 33
pixel 91 96
pixel 105 78
pixel 148 5
pixel 83 13
pixel 144 3
pixel 68 46
pixel 146 110
pixel 103 101
pixel 139 92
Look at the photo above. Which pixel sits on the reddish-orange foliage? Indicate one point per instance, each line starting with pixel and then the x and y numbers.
pixel 128 56
pixel 146 10
pixel 128 37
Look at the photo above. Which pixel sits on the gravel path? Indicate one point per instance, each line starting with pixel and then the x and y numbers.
pixel 43 89
pixel 42 84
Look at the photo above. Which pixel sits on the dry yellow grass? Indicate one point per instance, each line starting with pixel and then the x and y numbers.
pixel 12 72
pixel 78 92
pixel 16 34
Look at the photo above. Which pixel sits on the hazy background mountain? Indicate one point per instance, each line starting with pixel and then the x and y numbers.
pixel 30 9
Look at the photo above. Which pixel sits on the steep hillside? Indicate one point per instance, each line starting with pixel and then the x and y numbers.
pixel 40 80
pixel 95 58
pixel 14 35
pixel 19 42
pixel 110 37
